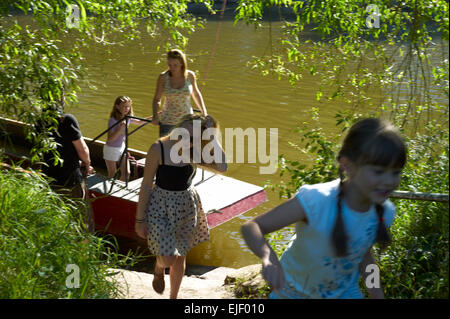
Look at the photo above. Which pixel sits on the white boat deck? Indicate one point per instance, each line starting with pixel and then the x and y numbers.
pixel 216 191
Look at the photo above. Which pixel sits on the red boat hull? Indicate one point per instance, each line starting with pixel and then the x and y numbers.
pixel 116 215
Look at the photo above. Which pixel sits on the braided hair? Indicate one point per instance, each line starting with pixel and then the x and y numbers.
pixel 370 141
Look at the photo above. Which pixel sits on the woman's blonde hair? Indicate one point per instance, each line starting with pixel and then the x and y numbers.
pixel 119 100
pixel 178 55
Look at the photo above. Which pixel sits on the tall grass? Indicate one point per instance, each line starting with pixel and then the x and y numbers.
pixel 41 233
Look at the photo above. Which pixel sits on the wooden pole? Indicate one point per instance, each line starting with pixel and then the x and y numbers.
pixel 434 197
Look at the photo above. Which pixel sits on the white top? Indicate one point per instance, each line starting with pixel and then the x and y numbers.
pixel 309 265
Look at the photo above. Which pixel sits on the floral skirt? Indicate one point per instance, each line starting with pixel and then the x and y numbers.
pixel 176 222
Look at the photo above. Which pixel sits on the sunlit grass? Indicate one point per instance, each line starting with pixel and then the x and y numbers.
pixel 41 233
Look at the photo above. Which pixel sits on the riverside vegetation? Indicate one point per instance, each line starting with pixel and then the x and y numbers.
pixel 41 233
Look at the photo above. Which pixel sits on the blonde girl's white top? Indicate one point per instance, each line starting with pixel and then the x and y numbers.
pixel 177 102
pixel 310 267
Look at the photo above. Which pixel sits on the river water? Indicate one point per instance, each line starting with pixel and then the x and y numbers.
pixel 236 95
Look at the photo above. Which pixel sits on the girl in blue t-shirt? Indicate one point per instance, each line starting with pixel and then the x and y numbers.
pixel 336 222
pixel 115 142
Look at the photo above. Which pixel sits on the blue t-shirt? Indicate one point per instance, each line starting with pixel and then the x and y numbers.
pixel 309 263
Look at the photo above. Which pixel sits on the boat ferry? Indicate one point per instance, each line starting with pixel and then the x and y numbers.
pixel 114 202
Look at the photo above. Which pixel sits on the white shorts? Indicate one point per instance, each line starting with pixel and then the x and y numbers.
pixel 112 153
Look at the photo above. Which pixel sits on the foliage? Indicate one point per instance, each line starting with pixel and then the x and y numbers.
pixel 387 66
pixel 41 61
pixel 416 264
pixel 250 286
pixel 41 233
pixel 313 146
pixel 388 69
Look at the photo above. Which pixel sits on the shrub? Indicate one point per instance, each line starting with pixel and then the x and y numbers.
pixel 41 233
pixel 416 264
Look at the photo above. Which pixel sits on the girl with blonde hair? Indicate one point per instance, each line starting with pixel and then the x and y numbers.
pixel 115 142
pixel 177 85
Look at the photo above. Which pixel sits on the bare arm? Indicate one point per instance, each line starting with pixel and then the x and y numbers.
pixel 369 259
pixel 196 95
pixel 83 154
pixel 151 165
pixel 114 135
pixel 140 122
pixel 253 232
pixel 157 98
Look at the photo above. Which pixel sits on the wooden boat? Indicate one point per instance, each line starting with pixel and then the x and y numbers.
pixel 223 198
pixel 114 202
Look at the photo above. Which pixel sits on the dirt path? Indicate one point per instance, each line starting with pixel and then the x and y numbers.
pixel 199 283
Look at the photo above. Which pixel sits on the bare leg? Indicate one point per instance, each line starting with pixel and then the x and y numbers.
pixel 123 167
pixel 176 275
pixel 158 275
pixel 111 166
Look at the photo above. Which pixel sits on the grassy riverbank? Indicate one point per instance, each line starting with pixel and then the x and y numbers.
pixel 44 250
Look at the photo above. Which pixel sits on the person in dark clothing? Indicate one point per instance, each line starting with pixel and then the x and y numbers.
pixel 68 178
pixel 71 148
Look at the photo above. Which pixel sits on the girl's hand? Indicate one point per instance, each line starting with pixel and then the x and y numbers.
pixel 141 229
pixel 272 271
pixel 155 121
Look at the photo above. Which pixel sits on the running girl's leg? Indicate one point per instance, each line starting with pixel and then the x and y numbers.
pixel 177 266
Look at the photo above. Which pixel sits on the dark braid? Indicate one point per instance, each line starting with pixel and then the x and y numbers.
pixel 375 142
pixel 339 236
pixel 383 236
